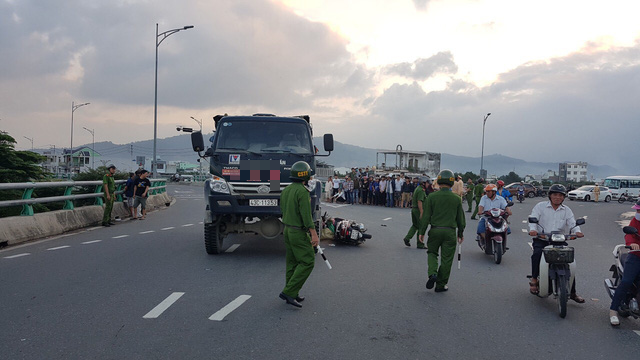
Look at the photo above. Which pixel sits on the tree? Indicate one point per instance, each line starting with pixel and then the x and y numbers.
pixel 510 178
pixel 469 175
pixel 18 166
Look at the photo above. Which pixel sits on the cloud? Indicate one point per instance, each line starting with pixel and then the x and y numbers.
pixel 422 69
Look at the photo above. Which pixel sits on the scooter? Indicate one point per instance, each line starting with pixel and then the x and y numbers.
pixel 629 306
pixel 495 237
pixel 347 231
pixel 521 196
pixel 626 197
pixel 557 265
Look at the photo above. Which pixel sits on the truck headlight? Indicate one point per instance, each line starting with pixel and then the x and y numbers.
pixel 219 185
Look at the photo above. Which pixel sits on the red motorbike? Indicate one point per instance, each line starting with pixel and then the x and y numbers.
pixel 495 237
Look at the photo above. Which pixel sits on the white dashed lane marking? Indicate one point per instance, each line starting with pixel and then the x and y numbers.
pixel 17 256
pixel 525 230
pixel 201 222
pixel 232 248
pixel 185 225
pixel 120 236
pixel 530 245
pixel 91 242
pixel 220 314
pixel 164 305
pixel 58 248
pixel 637 332
pixel 385 219
pixel 146 232
pixel 168 228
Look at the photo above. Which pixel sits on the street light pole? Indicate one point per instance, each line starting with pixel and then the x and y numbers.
pixel 93 147
pixel 74 107
pixel 482 155
pixel 199 162
pixel 164 35
pixel 30 139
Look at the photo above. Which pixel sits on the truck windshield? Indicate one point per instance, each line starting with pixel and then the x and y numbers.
pixel 264 137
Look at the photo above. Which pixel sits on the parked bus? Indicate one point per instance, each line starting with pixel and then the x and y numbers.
pixel 623 184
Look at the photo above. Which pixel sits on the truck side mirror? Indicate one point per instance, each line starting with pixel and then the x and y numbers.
pixel 328 142
pixel 197 142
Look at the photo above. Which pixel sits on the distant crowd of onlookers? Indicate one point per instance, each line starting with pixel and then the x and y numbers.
pixel 362 186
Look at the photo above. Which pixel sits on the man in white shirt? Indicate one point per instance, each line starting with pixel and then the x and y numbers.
pixel 552 215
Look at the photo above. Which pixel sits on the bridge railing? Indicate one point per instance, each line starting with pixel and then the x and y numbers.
pixel 158 186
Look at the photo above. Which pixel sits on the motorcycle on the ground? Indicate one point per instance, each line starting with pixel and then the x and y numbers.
pixel 629 306
pixel 557 265
pixel 626 197
pixel 495 237
pixel 346 231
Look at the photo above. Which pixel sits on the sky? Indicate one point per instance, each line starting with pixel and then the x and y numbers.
pixel 561 79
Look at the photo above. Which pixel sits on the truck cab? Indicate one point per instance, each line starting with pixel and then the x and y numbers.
pixel 250 160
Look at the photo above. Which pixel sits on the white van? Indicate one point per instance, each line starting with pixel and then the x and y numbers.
pixel 623 184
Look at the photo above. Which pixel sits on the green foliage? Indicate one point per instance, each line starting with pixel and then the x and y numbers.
pixel 467 175
pixel 510 178
pixel 18 166
pixel 98 174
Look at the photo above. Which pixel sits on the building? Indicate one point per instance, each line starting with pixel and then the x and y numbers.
pixel 422 162
pixel 573 171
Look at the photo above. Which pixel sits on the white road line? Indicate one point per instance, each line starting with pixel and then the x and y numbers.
pixel 524 221
pixel 58 248
pixel 168 228
pixel 220 314
pixel 120 236
pixel 530 245
pixel 185 225
pixel 17 256
pixel 146 232
pixel 385 219
pixel 164 305
pixel 232 248
pixel 91 242
pixel 637 332
pixel 201 222
pixel 525 230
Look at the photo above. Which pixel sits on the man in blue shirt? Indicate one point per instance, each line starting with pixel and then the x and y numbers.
pixel 506 194
pixel 490 201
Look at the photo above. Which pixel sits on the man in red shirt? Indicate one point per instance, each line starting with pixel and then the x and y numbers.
pixel 631 268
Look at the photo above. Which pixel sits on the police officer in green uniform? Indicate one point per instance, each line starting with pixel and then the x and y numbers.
pixel 299 232
pixel 109 195
pixel 469 195
pixel 478 191
pixel 444 213
pixel 417 210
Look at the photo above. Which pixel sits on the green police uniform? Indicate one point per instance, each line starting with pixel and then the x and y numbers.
pixel 295 203
pixel 478 191
pixel 109 184
pixel 444 213
pixel 469 197
pixel 418 195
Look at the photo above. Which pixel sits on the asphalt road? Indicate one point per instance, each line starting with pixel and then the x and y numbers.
pixel 148 290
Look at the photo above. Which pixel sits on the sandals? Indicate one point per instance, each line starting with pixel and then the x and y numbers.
pixel 577 298
pixel 614 320
pixel 533 288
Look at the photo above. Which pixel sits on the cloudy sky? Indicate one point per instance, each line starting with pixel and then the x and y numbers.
pixel 560 78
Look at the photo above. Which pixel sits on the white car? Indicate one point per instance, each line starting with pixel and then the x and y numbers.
pixel 586 193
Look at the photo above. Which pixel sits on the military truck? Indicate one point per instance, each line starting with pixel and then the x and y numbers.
pixel 250 160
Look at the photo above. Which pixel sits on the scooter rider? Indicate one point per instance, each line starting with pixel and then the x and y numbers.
pixel 552 215
pixel 490 201
pixel 521 188
pixel 504 192
pixel 631 268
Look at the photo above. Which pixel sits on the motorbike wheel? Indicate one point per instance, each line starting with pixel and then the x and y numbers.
pixel 563 294
pixel 497 252
pixel 621 199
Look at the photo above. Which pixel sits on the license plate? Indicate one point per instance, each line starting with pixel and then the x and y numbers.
pixel 263 202
pixel 354 235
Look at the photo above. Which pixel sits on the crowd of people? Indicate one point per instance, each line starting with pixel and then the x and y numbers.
pixel 136 192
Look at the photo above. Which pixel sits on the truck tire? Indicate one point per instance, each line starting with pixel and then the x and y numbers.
pixel 213 239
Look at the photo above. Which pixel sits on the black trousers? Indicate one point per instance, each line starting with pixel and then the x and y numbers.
pixel 538 245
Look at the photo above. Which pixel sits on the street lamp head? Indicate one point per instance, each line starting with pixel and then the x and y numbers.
pixel 488 114
pixel 188 27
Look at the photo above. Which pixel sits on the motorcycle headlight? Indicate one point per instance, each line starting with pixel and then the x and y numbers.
pixel 557 238
pixel 219 185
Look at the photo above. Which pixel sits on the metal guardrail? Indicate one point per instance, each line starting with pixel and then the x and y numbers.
pixel 158 186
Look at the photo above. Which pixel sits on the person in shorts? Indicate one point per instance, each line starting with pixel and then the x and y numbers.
pixel 129 193
pixel 142 186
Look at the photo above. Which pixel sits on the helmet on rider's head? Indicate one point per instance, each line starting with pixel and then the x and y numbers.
pixel 558 189
pixel 300 171
pixel 521 182
pixel 500 183
pixel 445 177
pixel 490 187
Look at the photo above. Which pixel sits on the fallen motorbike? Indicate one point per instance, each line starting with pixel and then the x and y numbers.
pixel 346 231
pixel 557 266
pixel 495 237
pixel 629 306
pixel 626 197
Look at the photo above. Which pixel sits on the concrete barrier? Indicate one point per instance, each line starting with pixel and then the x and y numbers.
pixel 19 229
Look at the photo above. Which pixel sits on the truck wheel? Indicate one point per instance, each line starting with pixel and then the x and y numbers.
pixel 213 238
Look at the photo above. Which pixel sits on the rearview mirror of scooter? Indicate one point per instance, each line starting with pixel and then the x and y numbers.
pixel 510 203
pixel 629 230
pixel 533 220
pixel 580 221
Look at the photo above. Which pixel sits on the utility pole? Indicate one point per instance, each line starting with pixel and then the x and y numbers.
pixel 93 147
pixel 74 107
pixel 30 139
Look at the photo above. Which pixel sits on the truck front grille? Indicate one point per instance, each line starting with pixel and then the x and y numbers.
pixel 251 188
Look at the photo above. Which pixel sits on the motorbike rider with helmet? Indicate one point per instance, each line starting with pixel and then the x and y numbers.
pixel 506 194
pixel 552 215
pixel 521 189
pixel 490 201
pixel 631 268
pixel 300 235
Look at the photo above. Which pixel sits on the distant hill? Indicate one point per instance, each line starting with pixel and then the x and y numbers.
pixel 178 148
